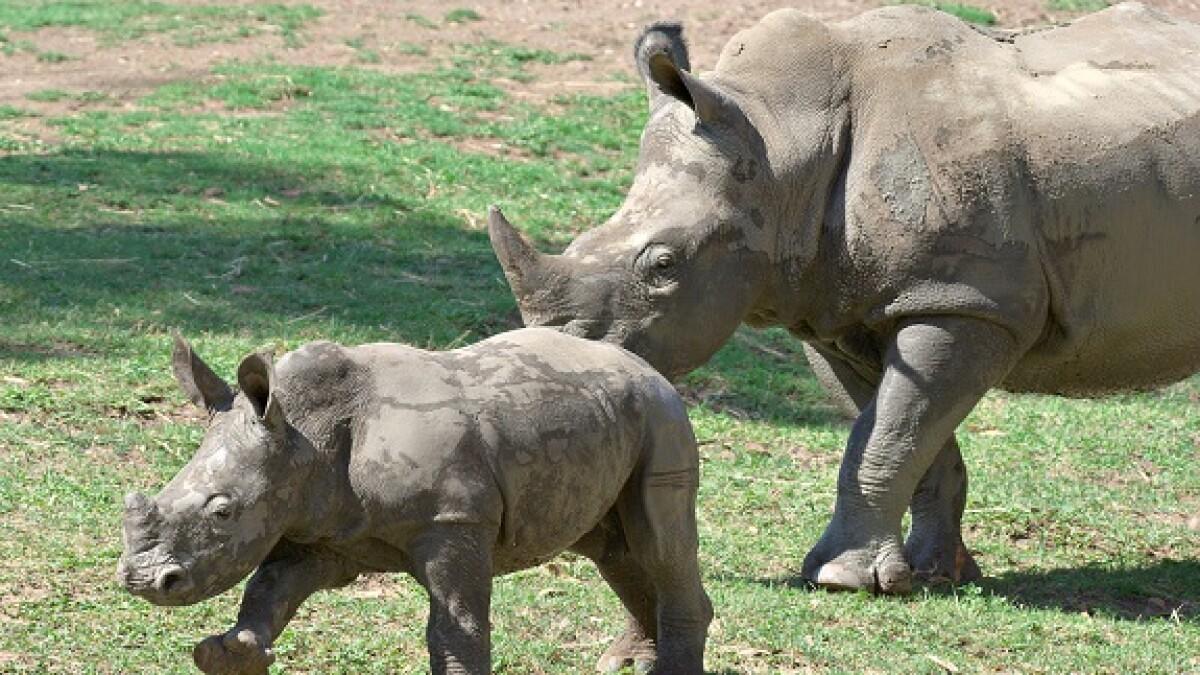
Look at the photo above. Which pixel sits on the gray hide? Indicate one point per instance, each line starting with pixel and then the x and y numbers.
pixel 935 211
pixel 450 466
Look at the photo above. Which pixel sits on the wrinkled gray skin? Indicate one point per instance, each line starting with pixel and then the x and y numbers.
pixel 450 466
pixel 935 211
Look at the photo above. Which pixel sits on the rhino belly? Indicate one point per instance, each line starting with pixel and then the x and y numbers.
pixel 1125 311
pixel 560 466
pixel 550 506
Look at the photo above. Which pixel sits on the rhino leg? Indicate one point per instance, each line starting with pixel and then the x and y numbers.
pixel 659 521
pixel 454 564
pixel 276 590
pixel 934 372
pixel 634 649
pixel 935 546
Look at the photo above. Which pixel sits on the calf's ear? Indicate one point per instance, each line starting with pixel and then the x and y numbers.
pixel 256 379
pixel 197 380
pixel 662 61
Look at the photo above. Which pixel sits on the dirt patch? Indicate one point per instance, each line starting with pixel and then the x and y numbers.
pixel 403 37
pixel 56 349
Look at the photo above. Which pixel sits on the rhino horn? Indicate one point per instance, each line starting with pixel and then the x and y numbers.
pixel 140 507
pixel 523 264
pixel 142 518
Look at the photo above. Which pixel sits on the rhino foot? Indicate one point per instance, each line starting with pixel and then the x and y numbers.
pixel 935 564
pixel 631 650
pixel 877 565
pixel 237 652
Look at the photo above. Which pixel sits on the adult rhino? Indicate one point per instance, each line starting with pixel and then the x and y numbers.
pixel 934 210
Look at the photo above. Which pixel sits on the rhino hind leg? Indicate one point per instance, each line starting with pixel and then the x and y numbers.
pixel 634 648
pixel 660 530
pixel 934 547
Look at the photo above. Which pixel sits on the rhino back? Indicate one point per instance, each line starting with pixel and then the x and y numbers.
pixel 533 431
pixel 565 423
pixel 1029 184
pixel 1110 108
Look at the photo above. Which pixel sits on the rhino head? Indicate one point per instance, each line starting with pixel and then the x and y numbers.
pixel 719 222
pixel 223 512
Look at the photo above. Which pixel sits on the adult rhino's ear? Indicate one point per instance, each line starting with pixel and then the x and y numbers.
pixel 662 61
pixel 256 379
pixel 197 380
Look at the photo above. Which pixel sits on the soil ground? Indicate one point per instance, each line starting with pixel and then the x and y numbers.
pixel 403 35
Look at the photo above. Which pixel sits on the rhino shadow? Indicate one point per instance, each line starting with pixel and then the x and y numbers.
pixel 1167 589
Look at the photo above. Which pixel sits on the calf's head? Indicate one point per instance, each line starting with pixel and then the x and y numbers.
pixel 697 247
pixel 223 512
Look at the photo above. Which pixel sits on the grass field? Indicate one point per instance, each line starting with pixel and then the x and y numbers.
pixel 270 205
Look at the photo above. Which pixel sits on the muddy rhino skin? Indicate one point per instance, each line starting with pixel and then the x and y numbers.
pixel 451 466
pixel 935 210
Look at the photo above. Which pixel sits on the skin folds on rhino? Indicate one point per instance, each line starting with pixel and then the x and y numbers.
pixel 450 466
pixel 934 210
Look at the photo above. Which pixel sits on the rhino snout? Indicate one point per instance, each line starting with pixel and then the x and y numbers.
pixel 172 579
pixel 162 582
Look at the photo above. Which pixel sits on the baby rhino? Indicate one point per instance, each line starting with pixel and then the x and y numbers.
pixel 452 466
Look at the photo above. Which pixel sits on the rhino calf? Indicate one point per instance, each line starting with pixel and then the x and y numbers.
pixel 451 466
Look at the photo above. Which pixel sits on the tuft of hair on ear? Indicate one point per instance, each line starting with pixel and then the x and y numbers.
pixel 663 37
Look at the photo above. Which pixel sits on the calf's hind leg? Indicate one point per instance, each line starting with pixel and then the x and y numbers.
pixel 659 521
pixel 605 546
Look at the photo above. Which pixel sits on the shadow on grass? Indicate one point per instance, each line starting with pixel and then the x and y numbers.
pixel 202 242
pixel 1167 589
pixel 125 179
pixel 207 242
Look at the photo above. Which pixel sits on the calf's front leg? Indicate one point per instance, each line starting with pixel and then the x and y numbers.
pixel 934 372
pixel 281 584
pixel 454 564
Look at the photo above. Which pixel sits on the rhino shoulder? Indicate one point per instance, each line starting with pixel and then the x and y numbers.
pixel 314 359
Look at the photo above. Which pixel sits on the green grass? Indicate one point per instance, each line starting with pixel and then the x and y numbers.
pixel 462 16
pixel 186 23
pixel 8 112
pixel 48 95
pixel 969 13
pixel 1076 5
pixel 269 206
pixel 420 20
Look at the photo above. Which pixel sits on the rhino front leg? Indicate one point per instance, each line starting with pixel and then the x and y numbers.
pixel 281 584
pixel 454 564
pixel 935 545
pixel 934 372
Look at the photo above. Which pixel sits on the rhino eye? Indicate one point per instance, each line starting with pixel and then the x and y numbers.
pixel 219 507
pixel 658 263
